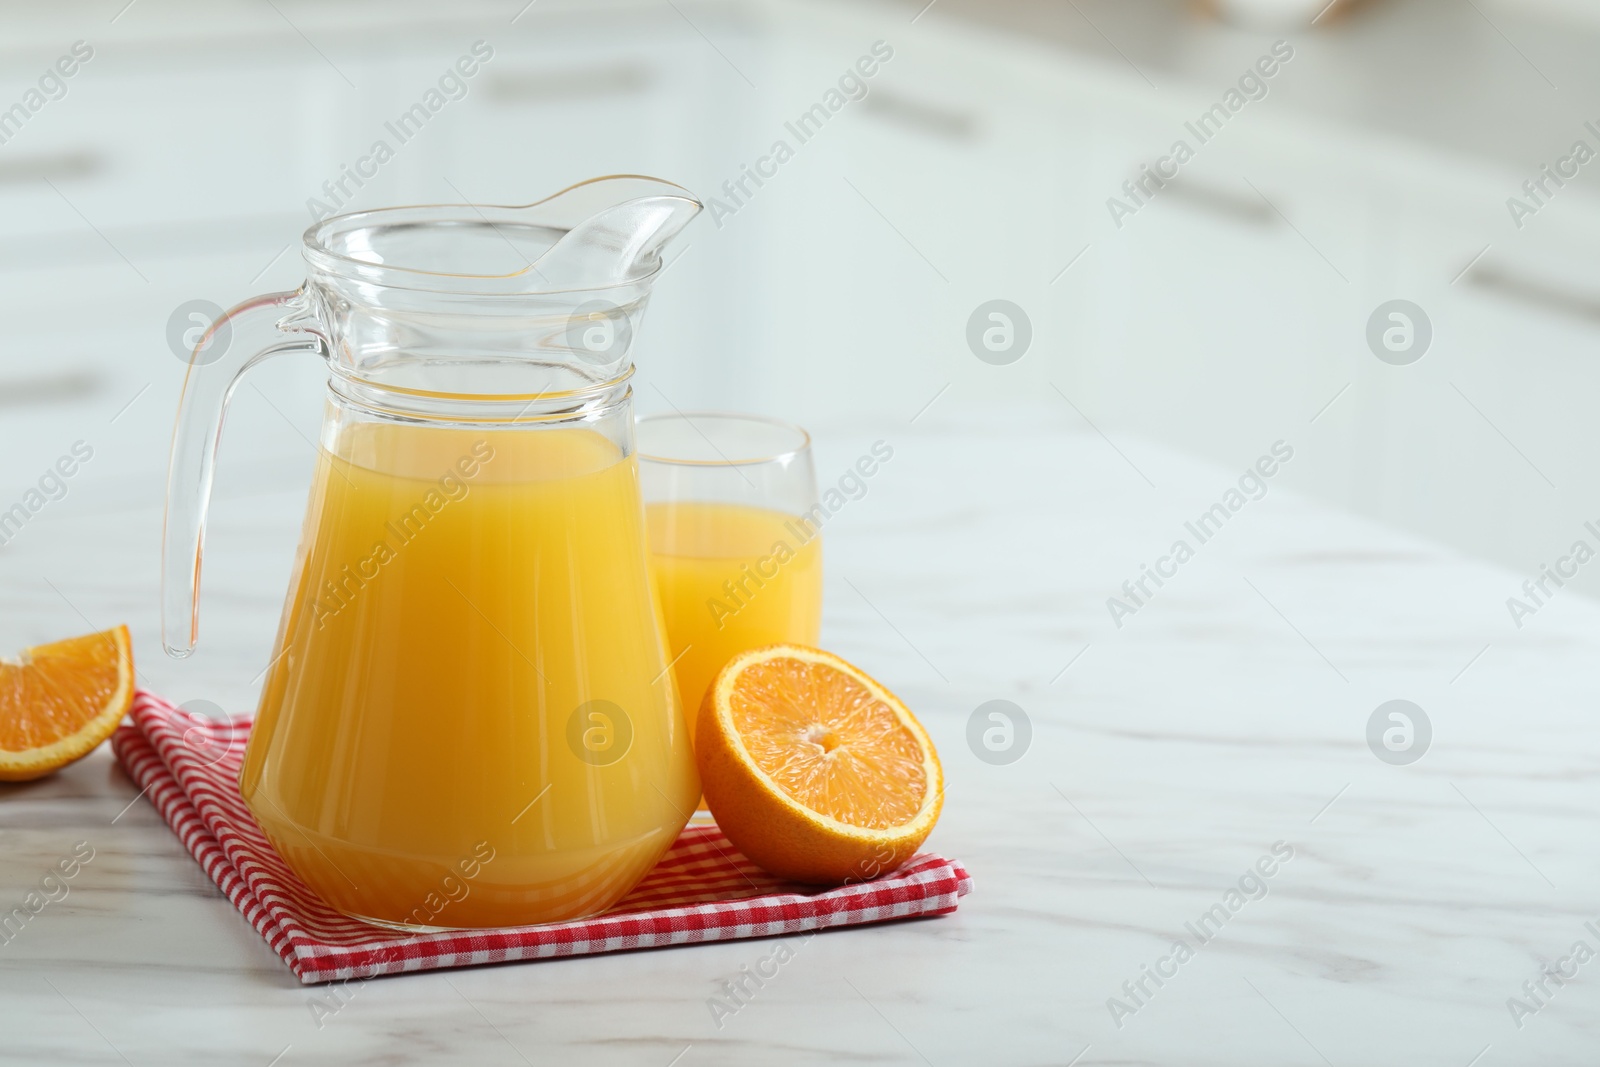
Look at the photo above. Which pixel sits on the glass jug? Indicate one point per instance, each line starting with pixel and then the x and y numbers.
pixel 469 718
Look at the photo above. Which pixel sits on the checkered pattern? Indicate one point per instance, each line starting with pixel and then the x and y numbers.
pixel 702 890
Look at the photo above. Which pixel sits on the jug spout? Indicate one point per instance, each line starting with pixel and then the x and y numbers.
pixel 615 230
pixel 598 234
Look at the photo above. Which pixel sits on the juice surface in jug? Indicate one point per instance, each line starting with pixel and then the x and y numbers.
pixel 470 666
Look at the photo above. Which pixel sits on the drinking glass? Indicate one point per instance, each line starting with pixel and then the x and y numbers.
pixel 735 539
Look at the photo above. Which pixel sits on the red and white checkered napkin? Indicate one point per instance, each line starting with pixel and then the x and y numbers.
pixel 702 890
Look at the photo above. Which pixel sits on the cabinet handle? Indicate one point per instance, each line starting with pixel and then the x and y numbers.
pixel 1549 297
pixel 69 385
pixel 574 83
pixel 1213 200
pixel 60 166
pixel 920 116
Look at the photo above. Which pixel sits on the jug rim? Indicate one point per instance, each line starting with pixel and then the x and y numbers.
pixel 322 257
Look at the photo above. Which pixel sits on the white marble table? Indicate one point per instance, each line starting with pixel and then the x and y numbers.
pixel 1227 714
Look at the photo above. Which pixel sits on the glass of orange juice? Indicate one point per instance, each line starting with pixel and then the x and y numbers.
pixel 735 539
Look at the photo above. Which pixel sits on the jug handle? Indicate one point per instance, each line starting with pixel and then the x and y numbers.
pixel 248 333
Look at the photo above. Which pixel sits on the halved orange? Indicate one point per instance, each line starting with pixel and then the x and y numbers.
pixel 59 701
pixel 813 770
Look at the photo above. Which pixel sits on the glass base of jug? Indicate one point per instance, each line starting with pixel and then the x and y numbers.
pixel 403 928
pixel 413 928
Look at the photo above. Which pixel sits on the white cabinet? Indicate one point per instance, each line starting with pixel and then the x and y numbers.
pixel 1223 298
pixel 1489 437
pixel 937 191
pixel 1234 308
pixel 180 164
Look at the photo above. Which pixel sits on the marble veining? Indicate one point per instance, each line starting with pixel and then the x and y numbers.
pixel 1165 759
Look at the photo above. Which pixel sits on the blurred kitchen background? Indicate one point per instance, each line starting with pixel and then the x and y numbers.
pixel 178 165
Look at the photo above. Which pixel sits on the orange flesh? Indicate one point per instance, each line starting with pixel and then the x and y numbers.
pixel 828 743
pixel 50 692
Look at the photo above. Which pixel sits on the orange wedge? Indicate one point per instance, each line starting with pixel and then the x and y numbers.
pixel 58 701
pixel 813 770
